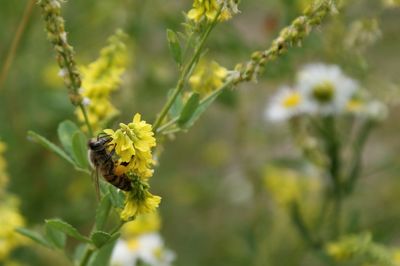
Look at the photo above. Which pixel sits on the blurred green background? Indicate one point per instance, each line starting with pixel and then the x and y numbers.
pixel 215 208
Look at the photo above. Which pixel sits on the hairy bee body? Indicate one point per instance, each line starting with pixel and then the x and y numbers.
pixel 102 160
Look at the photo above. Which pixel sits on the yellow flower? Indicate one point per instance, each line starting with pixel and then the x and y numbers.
pixel 139 203
pixel 287 186
pixel 392 3
pixel 208 9
pixel 207 77
pixel 101 78
pixel 10 219
pixel 146 223
pixel 133 144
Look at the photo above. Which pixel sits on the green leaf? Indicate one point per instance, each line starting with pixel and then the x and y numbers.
pixel 56 237
pixel 174 46
pixel 49 145
pixel 117 197
pixel 66 130
pixel 189 110
pixel 67 229
pixel 204 104
pixel 79 148
pixel 34 236
pixel 177 106
pixel 100 238
pixel 102 211
pixel 102 256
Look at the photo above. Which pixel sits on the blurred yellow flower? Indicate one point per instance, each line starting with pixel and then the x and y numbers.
pixel 207 77
pixel 391 3
pixel 101 78
pixel 208 9
pixel 396 256
pixel 133 144
pixel 10 219
pixel 360 248
pixel 287 186
pixel 146 223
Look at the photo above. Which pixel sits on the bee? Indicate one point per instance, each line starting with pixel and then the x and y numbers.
pixel 102 160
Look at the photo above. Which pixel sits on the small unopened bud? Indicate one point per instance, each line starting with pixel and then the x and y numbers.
pixel 376 111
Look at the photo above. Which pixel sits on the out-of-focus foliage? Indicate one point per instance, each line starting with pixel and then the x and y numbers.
pixel 221 181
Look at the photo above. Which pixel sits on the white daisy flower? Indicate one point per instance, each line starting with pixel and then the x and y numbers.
pixel 284 105
pixel 325 88
pixel 123 254
pixel 148 248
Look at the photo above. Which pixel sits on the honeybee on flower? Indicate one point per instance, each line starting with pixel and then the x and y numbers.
pixel 132 144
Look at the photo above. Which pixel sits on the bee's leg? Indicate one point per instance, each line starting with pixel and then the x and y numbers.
pixel 111 154
pixel 102 135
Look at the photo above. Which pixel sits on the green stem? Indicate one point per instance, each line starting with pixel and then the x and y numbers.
pixel 90 249
pixel 184 75
pixel 116 229
pixel 300 225
pixel 167 125
pixel 86 118
pixel 333 152
pixel 355 164
pixel 86 256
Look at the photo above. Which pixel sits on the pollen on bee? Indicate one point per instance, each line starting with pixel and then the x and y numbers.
pixel 120 169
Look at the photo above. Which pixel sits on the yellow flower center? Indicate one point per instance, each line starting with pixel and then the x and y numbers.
pixel 354 105
pixel 292 100
pixel 323 92
pixel 133 244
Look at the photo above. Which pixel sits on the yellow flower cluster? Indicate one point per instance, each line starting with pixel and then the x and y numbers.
pixel 10 218
pixel 139 201
pixel 100 79
pixel 207 77
pixel 208 9
pixel 132 144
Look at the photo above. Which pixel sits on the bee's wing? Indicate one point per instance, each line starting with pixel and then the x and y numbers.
pixel 95 179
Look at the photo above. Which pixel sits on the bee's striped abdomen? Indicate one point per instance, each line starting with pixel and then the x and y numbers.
pixel 102 160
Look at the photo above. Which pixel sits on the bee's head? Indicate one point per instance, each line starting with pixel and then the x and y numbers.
pixel 99 143
pixel 94 144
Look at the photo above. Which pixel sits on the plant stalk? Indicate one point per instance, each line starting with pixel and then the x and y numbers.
pixel 184 75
